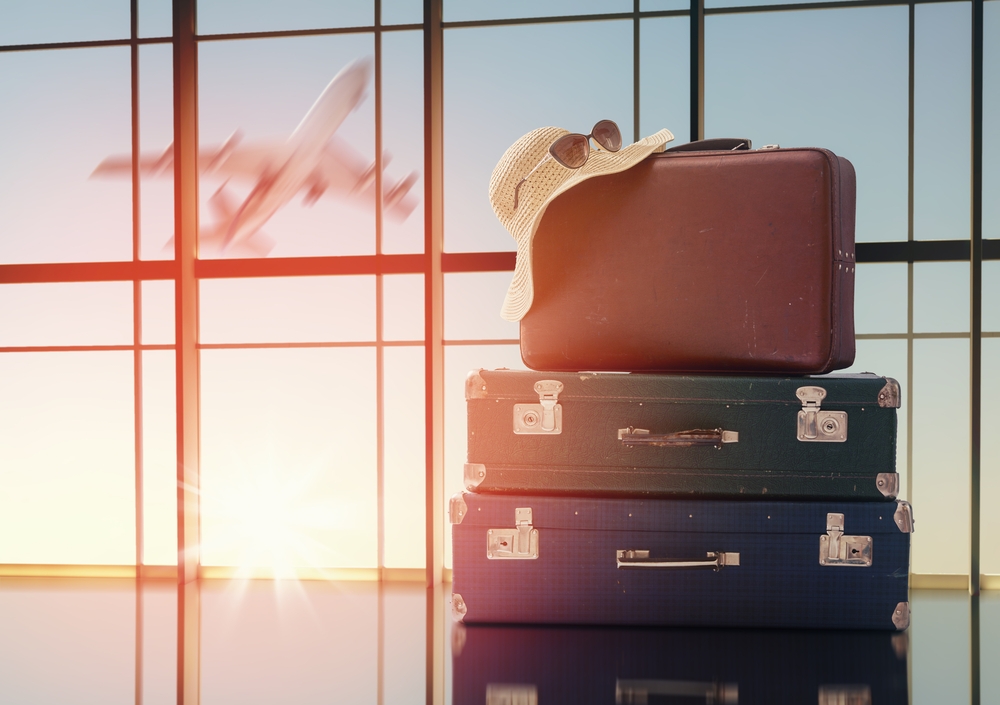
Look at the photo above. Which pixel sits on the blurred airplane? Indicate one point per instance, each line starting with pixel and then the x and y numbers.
pixel 312 160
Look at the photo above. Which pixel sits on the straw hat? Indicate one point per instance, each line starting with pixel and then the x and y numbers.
pixel 548 181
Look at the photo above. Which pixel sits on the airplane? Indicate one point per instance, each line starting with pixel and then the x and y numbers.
pixel 312 160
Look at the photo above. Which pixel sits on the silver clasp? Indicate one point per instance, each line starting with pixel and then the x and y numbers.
pixel 545 417
pixel 816 425
pixel 837 549
pixel 520 542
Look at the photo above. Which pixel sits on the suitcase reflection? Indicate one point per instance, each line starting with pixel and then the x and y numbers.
pixel 540 665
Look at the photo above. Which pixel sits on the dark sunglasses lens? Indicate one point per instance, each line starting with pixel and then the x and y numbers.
pixel 571 150
pixel 607 134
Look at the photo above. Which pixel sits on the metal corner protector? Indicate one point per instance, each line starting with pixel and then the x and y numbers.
pixel 457 509
pixel 475 386
pixel 904 516
pixel 459 609
pixel 901 616
pixel 888 484
pixel 473 475
pixel 890 396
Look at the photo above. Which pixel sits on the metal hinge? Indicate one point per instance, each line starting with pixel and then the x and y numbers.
pixel 815 425
pixel 457 509
pixel 474 473
pixel 904 516
pixel 771 146
pixel 845 695
pixel 511 694
pixel 458 607
pixel 837 549
pixel 901 616
pixel 545 417
pixel 520 543
pixel 887 483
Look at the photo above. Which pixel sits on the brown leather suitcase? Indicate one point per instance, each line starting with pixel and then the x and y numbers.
pixel 723 259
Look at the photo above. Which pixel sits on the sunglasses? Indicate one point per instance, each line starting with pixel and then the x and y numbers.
pixel 573 150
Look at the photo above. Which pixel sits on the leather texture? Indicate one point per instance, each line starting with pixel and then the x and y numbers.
pixel 601 665
pixel 769 461
pixel 707 261
pixel 779 581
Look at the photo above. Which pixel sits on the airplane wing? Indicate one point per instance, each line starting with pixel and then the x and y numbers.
pixel 228 160
pixel 344 171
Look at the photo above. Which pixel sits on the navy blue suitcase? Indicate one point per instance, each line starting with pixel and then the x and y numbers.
pixel 516 664
pixel 680 562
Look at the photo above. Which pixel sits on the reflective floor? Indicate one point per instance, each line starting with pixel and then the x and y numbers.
pixel 102 641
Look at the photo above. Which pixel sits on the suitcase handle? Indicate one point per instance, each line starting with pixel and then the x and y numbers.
pixel 717 144
pixel 715 437
pixel 633 558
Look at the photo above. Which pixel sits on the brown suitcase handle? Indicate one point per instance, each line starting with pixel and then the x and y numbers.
pixel 682 439
pixel 717 144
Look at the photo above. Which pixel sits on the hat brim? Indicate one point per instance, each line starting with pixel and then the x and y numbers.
pixel 521 291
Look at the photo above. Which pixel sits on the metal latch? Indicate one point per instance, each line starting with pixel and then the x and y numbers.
pixel 837 549
pixel 511 694
pixel 845 695
pixel 519 543
pixel 634 692
pixel 815 425
pixel 545 417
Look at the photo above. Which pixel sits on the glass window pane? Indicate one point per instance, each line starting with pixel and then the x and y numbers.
pixel 888 358
pixel 464 10
pixel 159 642
pixel 991 116
pixel 459 360
pixel 665 77
pixel 252 96
pixel 156 132
pixel 853 101
pixel 158 312
pixel 403 139
pixel 159 457
pixel 88 313
pixel 271 642
pixel 990 458
pixel 71 501
pixel 940 491
pixel 288 467
pixel 940 297
pixel 880 298
pixel 484 117
pixel 991 296
pixel 287 309
pixel 941 121
pixel 46 21
pixel 68 641
pixel 655 5
pixel 472 307
pixel 156 18
pixel 405 610
pixel 940 665
pixel 72 112
pixel 231 16
pixel 402 12
pixel 403 307
pixel 405 462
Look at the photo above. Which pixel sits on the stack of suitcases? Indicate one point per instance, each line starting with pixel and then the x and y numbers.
pixel 678 455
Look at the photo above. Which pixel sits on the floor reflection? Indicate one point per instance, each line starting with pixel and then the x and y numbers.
pixel 104 641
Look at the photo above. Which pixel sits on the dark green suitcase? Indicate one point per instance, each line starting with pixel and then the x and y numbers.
pixel 608 434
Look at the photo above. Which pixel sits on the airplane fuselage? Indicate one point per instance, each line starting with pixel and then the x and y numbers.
pixel 281 181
